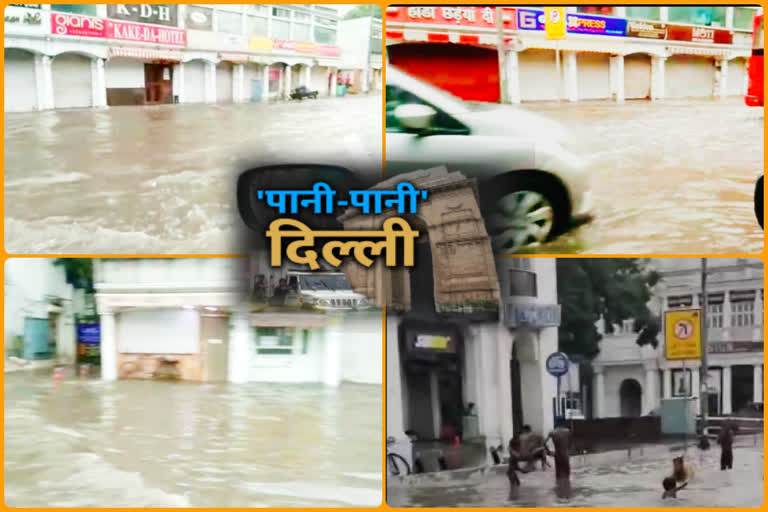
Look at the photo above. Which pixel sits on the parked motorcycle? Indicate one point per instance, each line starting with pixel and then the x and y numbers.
pixel 302 92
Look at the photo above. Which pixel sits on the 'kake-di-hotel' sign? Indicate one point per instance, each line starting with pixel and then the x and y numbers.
pixel 63 24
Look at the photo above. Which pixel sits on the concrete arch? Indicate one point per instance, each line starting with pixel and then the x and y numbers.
pixel 630 398
pixel 651 52
pixel 81 53
pixel 191 57
pixel 25 46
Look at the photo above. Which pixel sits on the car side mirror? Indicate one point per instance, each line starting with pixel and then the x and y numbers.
pixel 759 201
pixel 415 117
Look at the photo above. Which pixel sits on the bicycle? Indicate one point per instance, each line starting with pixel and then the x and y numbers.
pixel 396 463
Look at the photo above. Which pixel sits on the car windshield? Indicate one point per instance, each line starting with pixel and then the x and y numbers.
pixel 438 97
pixel 325 282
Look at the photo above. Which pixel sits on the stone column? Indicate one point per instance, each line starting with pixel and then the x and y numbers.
pixel 757 383
pixel 333 340
pixel 210 82
pixel 395 411
pixel 238 83
pixel 44 77
pixel 308 76
pixel 599 399
pixel 729 17
pixel 108 346
pixel 178 81
pixel 570 76
pixel 726 390
pixel 334 77
pixel 667 383
pixel 696 388
pixel 664 14
pixel 657 77
pixel 98 83
pixel 265 83
pixel 513 76
pixel 239 353
pixel 726 316
pixel 650 393
pixel 721 79
pixel 288 86
pixel 617 78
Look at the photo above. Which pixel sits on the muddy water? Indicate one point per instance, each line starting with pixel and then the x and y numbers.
pixel 669 177
pixel 634 484
pixel 154 444
pixel 160 179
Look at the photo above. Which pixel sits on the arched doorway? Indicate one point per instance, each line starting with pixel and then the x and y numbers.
pixel 20 81
pixel 469 72
pixel 421 277
pixel 631 398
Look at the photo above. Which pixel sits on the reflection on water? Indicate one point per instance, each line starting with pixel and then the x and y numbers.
pixel 670 177
pixel 165 444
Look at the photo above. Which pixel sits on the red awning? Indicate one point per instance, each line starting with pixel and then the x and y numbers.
pixel 146 54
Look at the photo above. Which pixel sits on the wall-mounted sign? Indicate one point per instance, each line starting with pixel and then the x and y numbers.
pixel 682 330
pixel 199 18
pixel 63 24
pixel 532 315
pixel 157 14
pixel 468 16
pixel 646 30
pixel 699 34
pixel 554 22
pixel 423 341
pixel 203 39
pixel 431 342
pixel 17 15
pixel 734 346
pixel 297 47
pixel 529 19
pixel 89 333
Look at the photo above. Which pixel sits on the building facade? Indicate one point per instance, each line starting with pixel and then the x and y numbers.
pixel 631 380
pixel 99 55
pixel 361 45
pixel 618 53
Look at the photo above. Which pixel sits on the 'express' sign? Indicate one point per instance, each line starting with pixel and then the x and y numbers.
pixel 528 19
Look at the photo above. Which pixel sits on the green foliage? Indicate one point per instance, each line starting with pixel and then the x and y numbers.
pixel 615 288
pixel 363 11
pixel 78 271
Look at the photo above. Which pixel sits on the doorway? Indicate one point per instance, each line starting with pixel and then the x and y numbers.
pixel 158 84
pixel 214 333
pixel 742 377
pixel 630 396
pixel 517 392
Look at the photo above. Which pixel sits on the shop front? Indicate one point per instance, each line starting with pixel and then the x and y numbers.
pixel 139 76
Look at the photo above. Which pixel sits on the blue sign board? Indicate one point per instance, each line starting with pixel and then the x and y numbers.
pixel 557 364
pixel 529 19
pixel 89 334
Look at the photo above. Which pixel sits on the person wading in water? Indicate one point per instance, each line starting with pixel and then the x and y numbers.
pixel 561 440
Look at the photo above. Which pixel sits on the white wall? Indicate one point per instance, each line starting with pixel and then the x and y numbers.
pixel 538 75
pixel 737 77
pixel 354 38
pixel 168 273
pixel 160 331
pixel 194 82
pixel 124 73
pixel 362 349
pixel 295 367
pixel 593 71
pixel 71 81
pixel 614 376
pixel 689 76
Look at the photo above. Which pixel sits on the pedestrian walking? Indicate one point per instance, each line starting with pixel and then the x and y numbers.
pixel 561 440
pixel 725 439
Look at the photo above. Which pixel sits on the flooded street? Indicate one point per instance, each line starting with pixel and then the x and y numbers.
pixel 676 176
pixel 162 444
pixel 634 484
pixel 144 180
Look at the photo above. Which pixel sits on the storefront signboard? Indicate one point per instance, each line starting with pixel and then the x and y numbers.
pixel 532 315
pixel 202 39
pixel 646 30
pixel 699 34
pixel 23 16
pixel 734 346
pixel 156 14
pixel 199 18
pixel 63 24
pixel 529 19
pixel 88 339
pixel 465 16
pixel 298 47
pixel 431 342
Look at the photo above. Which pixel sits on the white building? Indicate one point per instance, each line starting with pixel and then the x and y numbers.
pixel 190 310
pixel 39 309
pixel 631 380
pixel 98 55
pixel 360 40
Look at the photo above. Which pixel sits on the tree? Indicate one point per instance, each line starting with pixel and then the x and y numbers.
pixel 615 289
pixel 78 271
pixel 364 11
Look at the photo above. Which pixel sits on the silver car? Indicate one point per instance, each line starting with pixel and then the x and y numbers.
pixel 533 183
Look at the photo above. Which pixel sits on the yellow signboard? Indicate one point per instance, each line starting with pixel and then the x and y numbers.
pixel 554 24
pixel 432 342
pixel 261 43
pixel 683 334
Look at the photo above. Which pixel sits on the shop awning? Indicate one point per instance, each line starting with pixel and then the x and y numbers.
pixel 239 58
pixel 145 54
pixel 694 50
pixel 572 46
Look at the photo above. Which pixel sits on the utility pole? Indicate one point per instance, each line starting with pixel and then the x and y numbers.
pixel 502 57
pixel 704 368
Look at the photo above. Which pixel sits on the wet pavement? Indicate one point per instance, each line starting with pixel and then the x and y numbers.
pixel 161 179
pixel 634 484
pixel 163 444
pixel 672 177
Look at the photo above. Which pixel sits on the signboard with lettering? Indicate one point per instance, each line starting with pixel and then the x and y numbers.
pixel 699 34
pixel 532 315
pixel 646 30
pixel 203 39
pixel 199 18
pixel 63 24
pixel 682 330
pixel 88 340
pixel 734 346
pixel 529 19
pixel 429 340
pixel 297 47
pixel 466 16
pixel 156 14
pixel 28 16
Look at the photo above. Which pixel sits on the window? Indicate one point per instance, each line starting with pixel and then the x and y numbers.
pixel 89 9
pixel 325 35
pixel 302 32
pixel 742 17
pixel 681 382
pixel 700 15
pixel 680 301
pixel 742 314
pixel 281 341
pixel 319 20
pixel 301 17
pixel 229 22
pixel 643 13
pixel 522 283
pixel 715 316
pixel 281 29
pixel 257 26
pixel 280 13
pixel 604 10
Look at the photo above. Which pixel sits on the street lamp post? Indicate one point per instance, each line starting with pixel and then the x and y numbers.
pixel 704 369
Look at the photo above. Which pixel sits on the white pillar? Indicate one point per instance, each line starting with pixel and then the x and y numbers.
pixel 239 354
pixel 238 83
pixel 395 412
pixel 210 82
pixel 108 346
pixel 98 83
pixel 721 79
pixel 513 77
pixel 434 402
pixel 334 77
pixel 726 390
pixel 664 14
pixel 620 11
pixel 696 388
pixel 333 341
pixel 178 81
pixel 265 83
pixel 44 77
pixel 599 399
pixel 757 383
pixel 729 17
pixel 650 393
pixel 667 383
pixel 308 76
pixel 657 77
pixel 617 77
pixel 571 76
pixel 288 87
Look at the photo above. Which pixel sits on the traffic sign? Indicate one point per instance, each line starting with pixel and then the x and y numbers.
pixel 557 364
pixel 683 334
